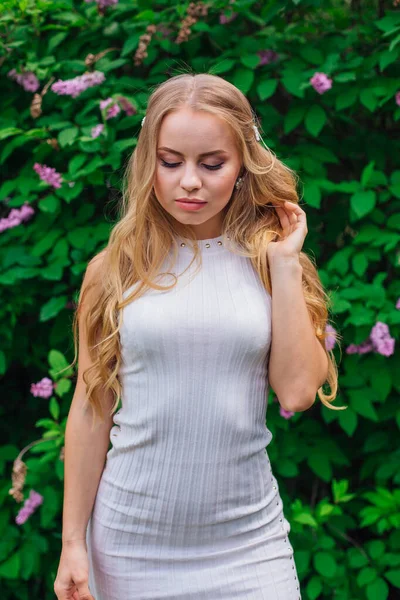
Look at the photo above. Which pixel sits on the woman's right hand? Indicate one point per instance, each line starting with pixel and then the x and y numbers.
pixel 72 580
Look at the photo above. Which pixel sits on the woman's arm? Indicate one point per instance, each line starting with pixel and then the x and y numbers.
pixel 85 449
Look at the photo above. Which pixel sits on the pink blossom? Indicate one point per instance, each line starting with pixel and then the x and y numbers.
pixel 43 389
pixel 16 217
pixel 27 80
pixel 97 130
pixel 126 106
pixel 321 82
pixel 104 3
pixel 113 110
pixel 397 97
pixel 30 505
pixel 267 56
pixel 398 304
pixel 74 87
pixel 223 19
pixel 48 174
pixel 379 341
pixel 286 414
pixel 330 341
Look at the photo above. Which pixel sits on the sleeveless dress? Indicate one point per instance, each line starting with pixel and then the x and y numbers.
pixel 187 506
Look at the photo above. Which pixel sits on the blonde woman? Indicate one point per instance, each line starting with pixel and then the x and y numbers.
pixel 200 301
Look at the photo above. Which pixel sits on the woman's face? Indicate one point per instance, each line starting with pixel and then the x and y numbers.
pixel 185 136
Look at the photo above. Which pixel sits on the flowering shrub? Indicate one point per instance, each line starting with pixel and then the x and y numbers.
pixel 324 81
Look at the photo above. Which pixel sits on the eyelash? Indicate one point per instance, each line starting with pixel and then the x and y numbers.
pixel 209 167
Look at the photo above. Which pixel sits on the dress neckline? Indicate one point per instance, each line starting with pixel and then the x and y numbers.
pixel 213 245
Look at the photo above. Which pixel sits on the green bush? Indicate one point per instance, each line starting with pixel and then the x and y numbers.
pixel 339 471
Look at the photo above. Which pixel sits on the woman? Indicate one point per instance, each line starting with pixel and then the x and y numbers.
pixel 185 504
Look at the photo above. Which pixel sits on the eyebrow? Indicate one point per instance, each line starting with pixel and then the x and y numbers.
pixel 202 154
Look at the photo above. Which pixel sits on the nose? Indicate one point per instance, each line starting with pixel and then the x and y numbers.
pixel 190 179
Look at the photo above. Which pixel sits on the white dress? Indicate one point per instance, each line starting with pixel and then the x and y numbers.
pixel 187 506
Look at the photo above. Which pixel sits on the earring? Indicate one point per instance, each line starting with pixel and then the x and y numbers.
pixel 239 182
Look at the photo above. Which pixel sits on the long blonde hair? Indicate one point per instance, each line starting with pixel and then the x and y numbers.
pixel 145 232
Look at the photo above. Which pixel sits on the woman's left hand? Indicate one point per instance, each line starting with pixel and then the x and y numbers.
pixel 294 229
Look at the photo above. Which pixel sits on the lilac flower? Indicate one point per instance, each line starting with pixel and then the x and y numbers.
pixel 286 414
pixel 321 82
pixel 103 3
pixel 16 217
pixel 398 304
pixel 330 341
pixel 398 98
pixel 30 505
pixel 267 56
pixel 223 19
pixel 381 339
pixel 113 110
pixel 97 130
pixel 27 80
pixel 77 85
pixel 126 106
pixel 48 174
pixel 43 389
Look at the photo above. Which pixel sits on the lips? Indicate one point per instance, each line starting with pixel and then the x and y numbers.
pixel 191 200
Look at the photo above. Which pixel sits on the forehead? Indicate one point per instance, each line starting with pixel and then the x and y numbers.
pixel 191 130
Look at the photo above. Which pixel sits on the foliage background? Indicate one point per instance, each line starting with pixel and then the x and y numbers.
pixel 338 471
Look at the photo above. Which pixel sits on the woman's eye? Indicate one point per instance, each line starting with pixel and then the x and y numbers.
pixel 172 165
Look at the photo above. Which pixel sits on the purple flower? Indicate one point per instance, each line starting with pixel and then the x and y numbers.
pixel 126 106
pixel 379 341
pixel 77 85
pixel 330 341
pixel 43 389
pixel 113 110
pixel 321 82
pixel 27 80
pixel 97 130
pixel 398 304
pixel 286 414
pixel 267 56
pixel 48 174
pixel 16 217
pixel 223 19
pixel 398 98
pixel 30 505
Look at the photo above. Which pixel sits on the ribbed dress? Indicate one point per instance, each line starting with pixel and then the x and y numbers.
pixel 187 506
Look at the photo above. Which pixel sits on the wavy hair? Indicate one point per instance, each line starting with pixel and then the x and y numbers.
pixel 145 232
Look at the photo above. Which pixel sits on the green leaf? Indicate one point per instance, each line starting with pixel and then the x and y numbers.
pixel 267 88
pixel 63 386
pixel 363 202
pixel 250 60
pixel 325 564
pixel 66 137
pixel 50 204
pixel 378 590
pixel 368 99
pixel 54 408
pixel 293 118
pixel 9 569
pixel 46 242
pixel 305 519
pixel 347 98
pixel 8 131
pixel 375 548
pixel 315 119
pixel 222 66
pixel 57 360
pixel 314 587
pixel 3 363
pixel 393 577
pixel 312 194
pixel 359 263
pixel 367 173
pixel 319 463
pixel 366 575
pixel 243 79
pixel 387 58
pixel 362 404
pixel 130 44
pixel 348 420
pixel 52 308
